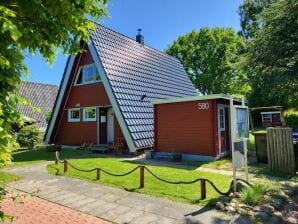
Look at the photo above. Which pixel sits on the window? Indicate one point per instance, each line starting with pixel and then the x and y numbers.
pixel 221 118
pixel 74 115
pixel 89 114
pixel 87 74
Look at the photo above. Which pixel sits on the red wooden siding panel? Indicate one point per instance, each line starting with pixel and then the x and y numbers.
pixel 184 128
pixel 77 133
pixel 88 95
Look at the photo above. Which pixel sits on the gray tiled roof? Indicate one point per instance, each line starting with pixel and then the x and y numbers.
pixel 41 96
pixel 134 70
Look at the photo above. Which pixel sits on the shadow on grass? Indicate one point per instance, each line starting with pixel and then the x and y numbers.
pixel 185 165
pixel 40 154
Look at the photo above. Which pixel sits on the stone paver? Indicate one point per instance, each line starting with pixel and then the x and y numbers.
pixel 112 204
pixel 33 210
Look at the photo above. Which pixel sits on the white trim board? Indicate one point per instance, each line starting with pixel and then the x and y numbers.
pixel 65 80
pixel 194 98
pixel 112 98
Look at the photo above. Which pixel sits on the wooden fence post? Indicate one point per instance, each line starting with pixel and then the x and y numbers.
pixel 56 157
pixel 141 176
pixel 65 165
pixel 203 189
pixel 97 174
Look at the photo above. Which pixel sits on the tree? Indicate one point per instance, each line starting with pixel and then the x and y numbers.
pixel 208 57
pixel 273 54
pixel 48 116
pixel 250 13
pixel 36 26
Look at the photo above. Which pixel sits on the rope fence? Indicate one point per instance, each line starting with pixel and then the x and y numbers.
pixel 142 168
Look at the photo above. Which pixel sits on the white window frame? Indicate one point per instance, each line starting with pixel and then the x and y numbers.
pixel 70 119
pixel 83 75
pixel 87 118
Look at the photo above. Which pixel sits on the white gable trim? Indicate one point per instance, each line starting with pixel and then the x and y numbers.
pixel 112 98
pixel 59 98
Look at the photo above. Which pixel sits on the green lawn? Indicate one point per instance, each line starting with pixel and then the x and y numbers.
pixel 33 156
pixel 40 154
pixel 182 192
pixel 7 177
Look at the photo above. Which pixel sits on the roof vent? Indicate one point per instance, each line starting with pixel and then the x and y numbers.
pixel 140 37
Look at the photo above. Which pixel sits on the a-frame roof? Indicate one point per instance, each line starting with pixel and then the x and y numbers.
pixel 133 75
pixel 137 74
pixel 41 96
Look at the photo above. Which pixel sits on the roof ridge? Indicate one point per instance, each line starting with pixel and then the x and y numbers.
pixel 146 45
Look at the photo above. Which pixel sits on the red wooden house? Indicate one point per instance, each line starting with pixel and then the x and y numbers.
pixel 106 92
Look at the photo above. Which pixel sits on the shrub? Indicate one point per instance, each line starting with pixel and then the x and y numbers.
pixel 291 118
pixel 29 136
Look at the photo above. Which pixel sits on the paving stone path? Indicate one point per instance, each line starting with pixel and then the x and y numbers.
pixel 29 209
pixel 109 203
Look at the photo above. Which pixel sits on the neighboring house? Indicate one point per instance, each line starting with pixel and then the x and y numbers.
pixel 41 96
pixel 106 92
pixel 271 118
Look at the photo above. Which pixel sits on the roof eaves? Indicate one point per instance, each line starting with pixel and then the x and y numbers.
pixel 193 98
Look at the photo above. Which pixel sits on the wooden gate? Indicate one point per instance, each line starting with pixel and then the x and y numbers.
pixel 281 157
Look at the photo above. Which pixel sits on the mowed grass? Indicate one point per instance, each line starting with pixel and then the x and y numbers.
pixel 7 177
pixel 182 192
pixel 40 154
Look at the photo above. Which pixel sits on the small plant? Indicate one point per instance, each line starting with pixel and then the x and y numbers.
pixel 255 195
pixel 29 136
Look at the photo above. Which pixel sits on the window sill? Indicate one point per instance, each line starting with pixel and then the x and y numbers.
pixel 87 83
pixel 73 121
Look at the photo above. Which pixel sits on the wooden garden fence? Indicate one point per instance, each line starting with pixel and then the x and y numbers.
pixel 281 156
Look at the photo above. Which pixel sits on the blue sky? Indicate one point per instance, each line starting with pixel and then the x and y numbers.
pixel 162 22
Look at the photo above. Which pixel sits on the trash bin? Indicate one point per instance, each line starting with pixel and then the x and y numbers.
pixel 261 146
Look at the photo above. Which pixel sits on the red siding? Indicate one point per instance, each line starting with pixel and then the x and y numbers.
pixel 77 133
pixel 184 128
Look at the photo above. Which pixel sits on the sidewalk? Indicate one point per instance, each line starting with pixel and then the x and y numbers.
pixel 109 203
pixel 33 210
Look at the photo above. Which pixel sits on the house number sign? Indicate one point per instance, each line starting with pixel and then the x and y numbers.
pixel 203 106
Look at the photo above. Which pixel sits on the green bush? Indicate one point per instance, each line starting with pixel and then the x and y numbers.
pixel 29 136
pixel 291 118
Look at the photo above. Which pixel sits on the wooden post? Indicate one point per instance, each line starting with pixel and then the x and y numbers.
pixel 203 189
pixel 141 176
pixel 65 166
pixel 56 157
pixel 97 174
